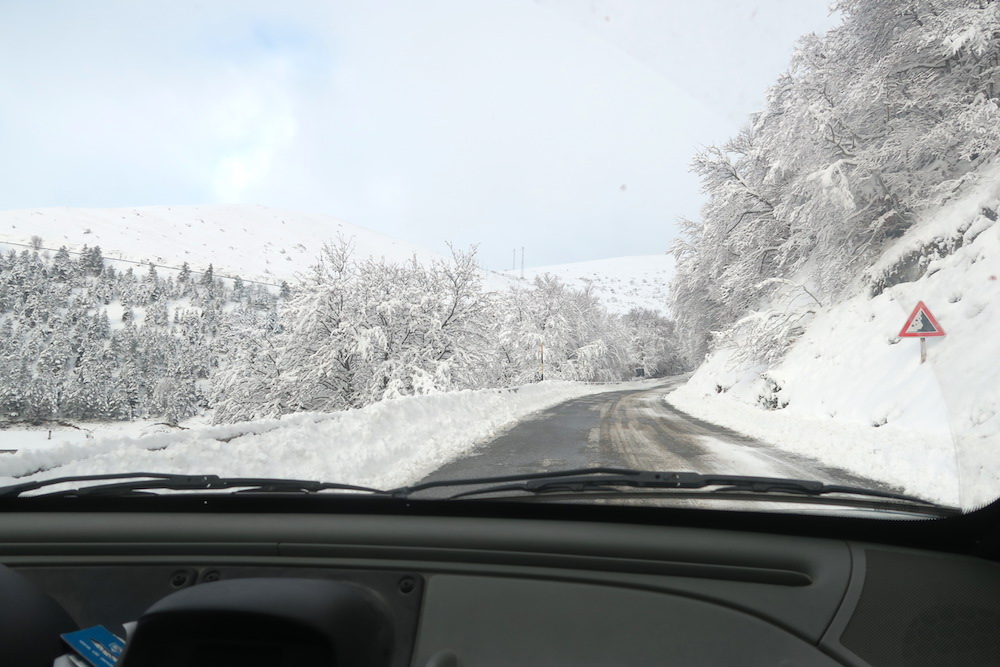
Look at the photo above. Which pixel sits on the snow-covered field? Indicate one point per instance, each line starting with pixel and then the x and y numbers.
pixel 254 242
pixel 388 444
pixel 621 283
pixel 857 394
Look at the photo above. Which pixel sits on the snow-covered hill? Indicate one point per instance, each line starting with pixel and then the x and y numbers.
pixel 857 395
pixel 269 245
pixel 621 283
pixel 254 242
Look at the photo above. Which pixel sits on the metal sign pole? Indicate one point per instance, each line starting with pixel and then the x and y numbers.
pixel 923 350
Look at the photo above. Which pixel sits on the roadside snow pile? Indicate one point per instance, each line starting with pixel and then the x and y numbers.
pixel 388 444
pixel 853 394
pixel 22 436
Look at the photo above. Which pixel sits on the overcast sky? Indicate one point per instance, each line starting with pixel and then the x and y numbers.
pixel 565 126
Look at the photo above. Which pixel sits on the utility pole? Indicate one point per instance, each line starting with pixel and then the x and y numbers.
pixel 513 262
pixel 543 360
pixel 522 262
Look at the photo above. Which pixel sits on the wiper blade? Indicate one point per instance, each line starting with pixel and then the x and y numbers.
pixel 603 480
pixel 144 483
pixel 598 482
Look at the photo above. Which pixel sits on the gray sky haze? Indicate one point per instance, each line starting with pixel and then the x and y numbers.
pixel 565 126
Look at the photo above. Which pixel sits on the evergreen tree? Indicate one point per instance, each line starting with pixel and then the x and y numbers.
pixel 61 358
pixel 207 278
pixel 92 260
pixel 62 265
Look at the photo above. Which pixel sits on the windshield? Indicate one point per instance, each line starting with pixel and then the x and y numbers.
pixel 386 245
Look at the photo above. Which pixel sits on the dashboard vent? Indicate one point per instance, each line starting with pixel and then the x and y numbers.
pixel 920 610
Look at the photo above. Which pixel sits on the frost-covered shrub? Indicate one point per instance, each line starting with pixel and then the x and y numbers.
pixel 769 398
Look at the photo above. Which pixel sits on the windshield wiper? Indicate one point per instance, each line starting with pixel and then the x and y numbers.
pixel 146 483
pixel 598 482
pixel 620 482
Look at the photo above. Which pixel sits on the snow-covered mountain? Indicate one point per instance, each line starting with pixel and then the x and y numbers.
pixel 254 242
pixel 621 283
pixel 269 245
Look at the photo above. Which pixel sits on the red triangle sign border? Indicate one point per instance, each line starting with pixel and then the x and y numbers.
pixel 921 307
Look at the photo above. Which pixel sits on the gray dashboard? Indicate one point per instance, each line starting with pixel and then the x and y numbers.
pixel 489 591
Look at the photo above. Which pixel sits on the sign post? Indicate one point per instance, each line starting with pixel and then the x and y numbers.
pixel 923 325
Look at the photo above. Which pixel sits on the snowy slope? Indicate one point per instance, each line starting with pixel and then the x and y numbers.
pixel 621 283
pixel 857 394
pixel 270 245
pixel 254 242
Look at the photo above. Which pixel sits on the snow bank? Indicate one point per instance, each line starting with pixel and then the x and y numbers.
pixel 920 462
pixel 388 444
pixel 20 437
pixel 858 397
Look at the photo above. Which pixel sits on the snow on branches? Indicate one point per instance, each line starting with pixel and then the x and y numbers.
pixel 82 340
pixel 880 119
pixel 358 331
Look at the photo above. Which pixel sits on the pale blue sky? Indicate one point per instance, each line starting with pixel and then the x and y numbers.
pixel 502 122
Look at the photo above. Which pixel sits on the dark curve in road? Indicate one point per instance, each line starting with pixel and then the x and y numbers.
pixel 634 428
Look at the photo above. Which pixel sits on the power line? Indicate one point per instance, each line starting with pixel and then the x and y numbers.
pixel 132 261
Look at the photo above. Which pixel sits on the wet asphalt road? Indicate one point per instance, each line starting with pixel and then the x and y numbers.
pixel 631 429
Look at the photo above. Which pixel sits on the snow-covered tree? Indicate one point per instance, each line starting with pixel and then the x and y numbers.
pixel 60 356
pixel 356 332
pixel 886 115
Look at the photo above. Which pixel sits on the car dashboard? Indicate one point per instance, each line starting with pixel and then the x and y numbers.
pixel 383 588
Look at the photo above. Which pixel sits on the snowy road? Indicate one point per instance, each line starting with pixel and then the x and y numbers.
pixel 633 429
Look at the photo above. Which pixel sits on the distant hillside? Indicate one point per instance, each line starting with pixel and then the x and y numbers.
pixel 254 242
pixel 621 283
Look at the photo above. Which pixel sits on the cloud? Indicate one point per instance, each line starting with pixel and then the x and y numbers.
pixel 503 123
pixel 249 125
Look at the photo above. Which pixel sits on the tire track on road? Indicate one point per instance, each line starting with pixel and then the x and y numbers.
pixel 633 429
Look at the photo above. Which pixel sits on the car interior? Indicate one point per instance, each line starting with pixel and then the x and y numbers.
pixel 218 580
pixel 728 211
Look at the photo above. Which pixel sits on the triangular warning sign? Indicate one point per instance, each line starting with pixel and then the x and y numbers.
pixel 921 324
